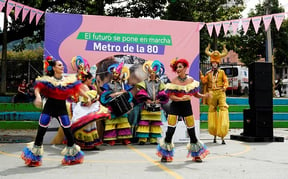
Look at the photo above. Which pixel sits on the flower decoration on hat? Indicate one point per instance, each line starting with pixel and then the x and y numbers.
pixel 47 64
pixel 174 63
pixel 119 69
pixel 215 56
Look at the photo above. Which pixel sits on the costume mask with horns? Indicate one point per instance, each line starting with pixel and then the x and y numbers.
pixel 215 56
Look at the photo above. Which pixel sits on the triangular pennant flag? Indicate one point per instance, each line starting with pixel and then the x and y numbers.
pixel 217 27
pixel 210 28
pixel 9 7
pixel 278 18
pixel 226 25
pixel 267 20
pixel 25 11
pixel 18 8
pixel 235 24
pixel 200 26
pixel 256 23
pixel 2 4
pixel 32 14
pixel 38 15
pixel 245 24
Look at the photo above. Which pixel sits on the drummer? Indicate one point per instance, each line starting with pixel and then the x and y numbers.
pixel 152 93
pixel 118 128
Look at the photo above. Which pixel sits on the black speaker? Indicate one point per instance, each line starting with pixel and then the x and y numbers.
pixel 258 122
pixel 260 85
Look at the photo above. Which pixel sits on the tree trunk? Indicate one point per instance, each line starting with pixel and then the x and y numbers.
pixel 4 56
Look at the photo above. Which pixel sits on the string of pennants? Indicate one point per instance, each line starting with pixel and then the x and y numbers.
pixel 244 22
pixel 25 10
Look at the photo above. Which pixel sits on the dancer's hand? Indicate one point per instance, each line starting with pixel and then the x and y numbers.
pixel 38 102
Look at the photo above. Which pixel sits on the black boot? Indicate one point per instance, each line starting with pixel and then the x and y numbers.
pixel 169 134
pixel 191 132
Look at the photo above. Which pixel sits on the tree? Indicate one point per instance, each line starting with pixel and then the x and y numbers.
pixel 205 11
pixel 251 47
pixel 20 30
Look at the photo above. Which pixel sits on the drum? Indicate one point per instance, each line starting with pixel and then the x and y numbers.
pixel 151 107
pixel 120 104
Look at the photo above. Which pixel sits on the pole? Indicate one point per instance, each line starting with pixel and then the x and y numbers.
pixel 268 34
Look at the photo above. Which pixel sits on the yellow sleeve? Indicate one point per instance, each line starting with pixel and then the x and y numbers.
pixel 225 79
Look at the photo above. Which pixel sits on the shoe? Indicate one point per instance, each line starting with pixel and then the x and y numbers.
pixel 166 159
pixel 141 143
pixel 154 143
pixel 214 141
pixel 198 159
pixel 112 142
pixel 126 141
pixel 223 142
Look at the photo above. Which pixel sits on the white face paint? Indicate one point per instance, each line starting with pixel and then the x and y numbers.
pixel 214 65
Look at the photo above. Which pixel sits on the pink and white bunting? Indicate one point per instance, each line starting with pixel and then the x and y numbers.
pixel 226 25
pixel 217 27
pixel 18 8
pixel 256 23
pixel 235 24
pixel 32 14
pixel 210 28
pixel 245 24
pixel 200 26
pixel 38 15
pixel 267 20
pixel 25 11
pixel 278 18
pixel 2 4
pixel 9 7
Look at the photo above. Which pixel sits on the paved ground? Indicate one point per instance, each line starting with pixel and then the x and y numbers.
pixel 236 159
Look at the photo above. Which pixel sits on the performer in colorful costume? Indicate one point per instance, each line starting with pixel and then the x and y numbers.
pixel 180 91
pixel 152 93
pixel 118 128
pixel 56 88
pixel 84 128
pixel 216 82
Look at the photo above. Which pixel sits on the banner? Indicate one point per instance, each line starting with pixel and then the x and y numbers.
pixel 245 24
pixel 9 7
pixel 38 15
pixel 129 40
pixel 226 25
pixel 235 24
pixel 18 8
pixel 210 28
pixel 217 27
pixel 267 20
pixel 256 23
pixel 25 11
pixel 278 18
pixel 2 4
pixel 32 14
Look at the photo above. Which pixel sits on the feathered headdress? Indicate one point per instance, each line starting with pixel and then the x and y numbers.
pixel 47 64
pixel 120 69
pixel 80 65
pixel 154 66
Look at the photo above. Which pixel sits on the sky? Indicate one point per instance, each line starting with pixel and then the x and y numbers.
pixel 250 4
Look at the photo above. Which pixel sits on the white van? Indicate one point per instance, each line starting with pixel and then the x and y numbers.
pixel 238 79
